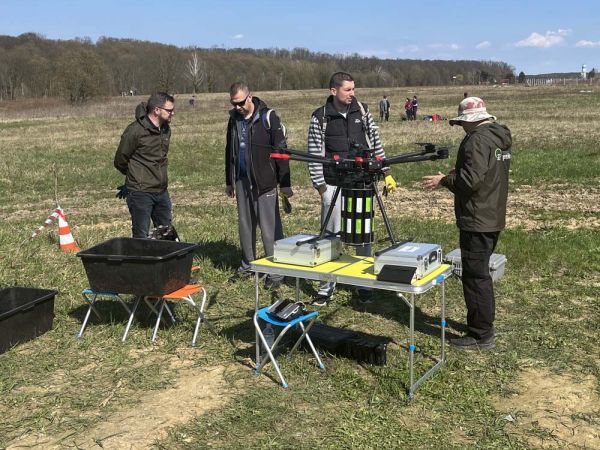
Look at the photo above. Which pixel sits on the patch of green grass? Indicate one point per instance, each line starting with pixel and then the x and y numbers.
pixel 547 308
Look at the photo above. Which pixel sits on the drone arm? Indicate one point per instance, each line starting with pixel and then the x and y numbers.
pixel 296 155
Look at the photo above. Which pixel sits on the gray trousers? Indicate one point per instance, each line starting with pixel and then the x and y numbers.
pixel 334 226
pixel 256 210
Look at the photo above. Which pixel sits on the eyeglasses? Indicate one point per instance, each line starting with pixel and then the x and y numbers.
pixel 240 104
pixel 169 110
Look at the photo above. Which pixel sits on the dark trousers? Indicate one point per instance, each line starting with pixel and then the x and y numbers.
pixel 476 249
pixel 144 206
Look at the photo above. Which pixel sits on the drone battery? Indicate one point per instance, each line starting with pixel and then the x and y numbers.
pixel 302 250
pixel 357 216
pixel 423 258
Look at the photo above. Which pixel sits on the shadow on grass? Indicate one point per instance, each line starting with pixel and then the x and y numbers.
pixel 389 305
pixel 222 254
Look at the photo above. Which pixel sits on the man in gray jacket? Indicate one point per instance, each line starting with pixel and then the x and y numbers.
pixel 142 158
pixel 479 182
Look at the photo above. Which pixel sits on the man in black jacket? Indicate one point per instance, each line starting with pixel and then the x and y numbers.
pixel 479 182
pixel 252 177
pixel 142 158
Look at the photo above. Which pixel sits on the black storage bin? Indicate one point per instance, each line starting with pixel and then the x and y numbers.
pixel 138 266
pixel 24 314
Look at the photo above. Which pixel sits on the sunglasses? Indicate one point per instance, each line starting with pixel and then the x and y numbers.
pixel 240 104
pixel 169 110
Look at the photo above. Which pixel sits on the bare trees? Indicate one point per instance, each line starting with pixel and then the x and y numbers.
pixel 32 66
pixel 196 71
pixel 81 75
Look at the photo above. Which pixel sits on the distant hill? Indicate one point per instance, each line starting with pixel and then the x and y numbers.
pixel 33 66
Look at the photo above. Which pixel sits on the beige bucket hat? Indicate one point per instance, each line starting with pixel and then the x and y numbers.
pixel 471 109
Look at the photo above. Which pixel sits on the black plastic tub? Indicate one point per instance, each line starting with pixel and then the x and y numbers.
pixel 25 313
pixel 138 266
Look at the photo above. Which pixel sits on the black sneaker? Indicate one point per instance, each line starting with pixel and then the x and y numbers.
pixel 240 274
pixel 321 300
pixel 470 343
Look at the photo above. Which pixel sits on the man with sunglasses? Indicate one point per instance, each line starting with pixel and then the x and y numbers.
pixel 252 177
pixel 142 158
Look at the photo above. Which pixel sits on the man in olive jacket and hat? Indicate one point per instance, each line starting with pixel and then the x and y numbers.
pixel 479 182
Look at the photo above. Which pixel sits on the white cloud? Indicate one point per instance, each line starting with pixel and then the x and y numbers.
pixel 587 44
pixel 550 39
pixel 237 36
pixel 408 49
pixel 444 46
pixel 484 44
pixel 375 53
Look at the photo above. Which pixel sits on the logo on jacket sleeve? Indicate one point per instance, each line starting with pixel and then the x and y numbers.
pixel 498 154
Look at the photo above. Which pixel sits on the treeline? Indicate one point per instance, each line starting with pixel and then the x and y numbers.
pixel 33 66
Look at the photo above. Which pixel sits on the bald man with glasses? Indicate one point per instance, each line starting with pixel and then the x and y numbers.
pixel 252 177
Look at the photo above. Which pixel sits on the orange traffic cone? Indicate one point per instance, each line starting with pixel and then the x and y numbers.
pixel 67 242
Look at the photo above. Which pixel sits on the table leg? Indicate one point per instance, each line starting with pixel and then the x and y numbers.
pixel 443 320
pixel 256 306
pixel 414 386
pixel 411 345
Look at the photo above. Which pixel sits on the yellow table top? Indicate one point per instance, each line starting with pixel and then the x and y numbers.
pixel 364 269
pixel 328 267
pixel 358 267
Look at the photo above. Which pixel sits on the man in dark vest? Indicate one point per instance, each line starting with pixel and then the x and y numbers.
pixel 479 182
pixel 341 123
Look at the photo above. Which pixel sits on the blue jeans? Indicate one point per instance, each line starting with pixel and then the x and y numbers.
pixel 144 206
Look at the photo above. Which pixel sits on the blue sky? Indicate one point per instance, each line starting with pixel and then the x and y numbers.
pixel 533 36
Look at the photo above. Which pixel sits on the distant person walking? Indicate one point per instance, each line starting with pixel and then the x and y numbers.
pixel 465 95
pixel 479 182
pixel 384 109
pixel 408 108
pixel 414 106
pixel 142 158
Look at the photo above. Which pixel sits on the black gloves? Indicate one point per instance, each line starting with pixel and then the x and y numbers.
pixel 123 192
pixel 286 191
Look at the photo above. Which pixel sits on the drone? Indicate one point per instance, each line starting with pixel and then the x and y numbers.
pixel 355 174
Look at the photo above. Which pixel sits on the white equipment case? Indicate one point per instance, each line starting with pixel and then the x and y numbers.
pixel 424 258
pixel 294 250
pixel 497 264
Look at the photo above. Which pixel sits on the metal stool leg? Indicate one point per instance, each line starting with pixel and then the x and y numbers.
pixel 260 364
pixel 162 302
pixel 91 308
pixel 305 335
pixel 131 316
pixel 200 315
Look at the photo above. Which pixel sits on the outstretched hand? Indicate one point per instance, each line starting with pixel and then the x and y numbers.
pixel 433 181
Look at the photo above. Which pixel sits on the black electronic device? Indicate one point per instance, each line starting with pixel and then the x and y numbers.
pixel 361 347
pixel 285 310
pixel 397 274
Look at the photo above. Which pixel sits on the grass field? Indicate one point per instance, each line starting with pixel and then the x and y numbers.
pixel 537 389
